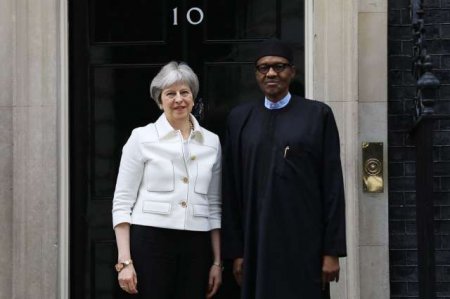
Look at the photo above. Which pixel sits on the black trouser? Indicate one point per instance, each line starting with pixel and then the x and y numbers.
pixel 170 264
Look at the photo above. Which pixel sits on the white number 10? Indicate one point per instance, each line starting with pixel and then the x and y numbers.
pixel 188 16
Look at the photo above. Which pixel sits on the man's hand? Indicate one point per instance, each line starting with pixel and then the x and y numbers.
pixel 330 269
pixel 238 270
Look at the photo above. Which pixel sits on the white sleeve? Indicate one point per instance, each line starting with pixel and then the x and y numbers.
pixel 215 192
pixel 128 180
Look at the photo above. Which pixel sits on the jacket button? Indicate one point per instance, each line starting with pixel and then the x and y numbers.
pixel 185 180
pixel 183 204
pixel 193 158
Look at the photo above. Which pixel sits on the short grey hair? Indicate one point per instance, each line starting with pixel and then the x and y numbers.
pixel 171 73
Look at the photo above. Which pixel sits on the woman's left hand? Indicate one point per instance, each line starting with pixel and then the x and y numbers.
pixel 215 280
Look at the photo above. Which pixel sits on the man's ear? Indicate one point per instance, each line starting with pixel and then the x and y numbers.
pixel 294 71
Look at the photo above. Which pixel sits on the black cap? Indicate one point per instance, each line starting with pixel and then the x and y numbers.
pixel 274 47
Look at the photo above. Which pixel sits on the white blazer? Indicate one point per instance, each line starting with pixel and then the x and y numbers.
pixel 157 187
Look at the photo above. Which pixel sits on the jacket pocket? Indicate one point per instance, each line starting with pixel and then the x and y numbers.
pixel 160 176
pixel 201 210
pixel 297 162
pixel 203 178
pixel 157 207
pixel 293 152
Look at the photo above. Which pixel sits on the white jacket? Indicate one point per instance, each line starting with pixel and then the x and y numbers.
pixel 157 187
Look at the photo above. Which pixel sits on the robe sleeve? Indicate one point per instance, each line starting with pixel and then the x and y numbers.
pixel 232 231
pixel 332 191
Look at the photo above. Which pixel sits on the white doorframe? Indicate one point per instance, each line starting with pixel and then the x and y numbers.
pixel 309 49
pixel 63 152
pixel 333 34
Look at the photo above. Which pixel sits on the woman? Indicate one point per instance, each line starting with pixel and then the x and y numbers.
pixel 167 205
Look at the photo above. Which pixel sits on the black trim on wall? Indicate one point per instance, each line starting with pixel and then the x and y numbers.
pixel 404 261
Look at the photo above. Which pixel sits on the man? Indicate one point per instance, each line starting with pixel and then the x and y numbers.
pixel 283 206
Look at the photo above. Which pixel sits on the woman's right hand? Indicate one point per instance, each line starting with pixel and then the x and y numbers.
pixel 128 279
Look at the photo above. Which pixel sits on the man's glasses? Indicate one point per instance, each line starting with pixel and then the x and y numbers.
pixel 277 67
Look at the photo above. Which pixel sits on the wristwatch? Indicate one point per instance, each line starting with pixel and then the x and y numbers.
pixel 120 265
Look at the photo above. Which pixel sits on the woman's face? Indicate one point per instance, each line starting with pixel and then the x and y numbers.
pixel 177 102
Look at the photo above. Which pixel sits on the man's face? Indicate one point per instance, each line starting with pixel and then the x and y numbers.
pixel 275 85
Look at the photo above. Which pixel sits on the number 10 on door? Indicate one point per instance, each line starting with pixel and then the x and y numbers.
pixel 196 11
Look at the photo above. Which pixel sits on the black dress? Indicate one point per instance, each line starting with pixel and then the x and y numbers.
pixel 283 197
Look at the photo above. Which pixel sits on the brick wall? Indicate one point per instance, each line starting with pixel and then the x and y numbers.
pixel 402 230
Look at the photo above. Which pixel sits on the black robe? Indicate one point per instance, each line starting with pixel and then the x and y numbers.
pixel 283 197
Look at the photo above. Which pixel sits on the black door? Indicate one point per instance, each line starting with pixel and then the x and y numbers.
pixel 116 48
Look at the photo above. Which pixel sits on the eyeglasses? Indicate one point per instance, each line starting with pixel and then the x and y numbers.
pixel 277 67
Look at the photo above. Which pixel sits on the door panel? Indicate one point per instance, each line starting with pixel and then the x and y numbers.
pixel 120 101
pixel 243 20
pixel 116 21
pixel 116 48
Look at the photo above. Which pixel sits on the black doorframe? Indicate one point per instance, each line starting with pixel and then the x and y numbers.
pixel 78 88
